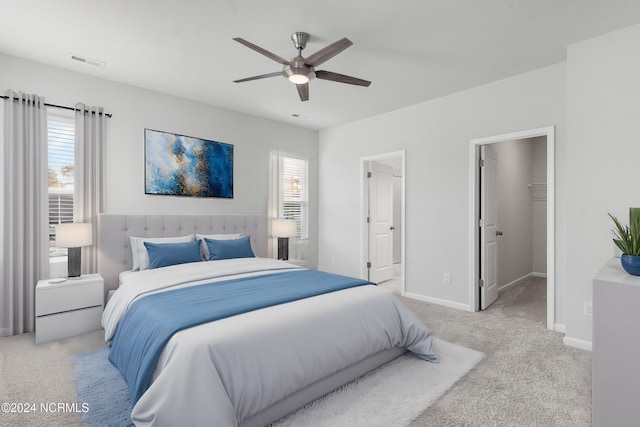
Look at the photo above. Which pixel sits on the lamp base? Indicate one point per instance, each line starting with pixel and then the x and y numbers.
pixel 74 262
pixel 283 248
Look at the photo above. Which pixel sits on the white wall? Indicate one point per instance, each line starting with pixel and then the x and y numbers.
pixel 435 135
pixel 515 209
pixel 596 162
pixel 603 125
pixel 539 175
pixel 135 109
pixel 522 248
pixel 397 219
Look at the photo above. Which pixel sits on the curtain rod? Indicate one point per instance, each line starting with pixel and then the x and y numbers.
pixel 61 106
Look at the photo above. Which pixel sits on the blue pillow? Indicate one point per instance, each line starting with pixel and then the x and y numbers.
pixel 165 254
pixel 227 249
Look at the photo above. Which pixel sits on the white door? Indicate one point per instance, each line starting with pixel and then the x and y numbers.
pixel 380 222
pixel 489 227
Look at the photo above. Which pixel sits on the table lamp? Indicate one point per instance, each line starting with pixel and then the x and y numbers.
pixel 283 229
pixel 73 237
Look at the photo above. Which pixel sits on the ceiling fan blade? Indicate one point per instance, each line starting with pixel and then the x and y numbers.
pixel 303 91
pixel 261 76
pixel 265 52
pixel 341 78
pixel 328 52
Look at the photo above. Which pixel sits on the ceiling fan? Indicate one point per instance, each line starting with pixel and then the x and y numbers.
pixel 300 70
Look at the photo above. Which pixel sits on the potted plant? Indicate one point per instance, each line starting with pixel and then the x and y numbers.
pixel 627 238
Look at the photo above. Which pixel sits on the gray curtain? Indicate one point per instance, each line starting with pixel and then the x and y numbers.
pixel 25 208
pixel 89 181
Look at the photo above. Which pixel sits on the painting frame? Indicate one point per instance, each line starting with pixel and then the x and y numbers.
pixel 187 166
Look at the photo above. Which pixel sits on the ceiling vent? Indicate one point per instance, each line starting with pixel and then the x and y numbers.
pixel 87 61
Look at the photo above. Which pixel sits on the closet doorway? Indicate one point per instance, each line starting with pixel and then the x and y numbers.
pixel 512 214
pixel 383 220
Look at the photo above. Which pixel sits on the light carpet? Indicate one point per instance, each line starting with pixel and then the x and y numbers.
pixel 392 395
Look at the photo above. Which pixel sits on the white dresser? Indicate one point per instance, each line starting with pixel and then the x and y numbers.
pixel 69 308
pixel 616 347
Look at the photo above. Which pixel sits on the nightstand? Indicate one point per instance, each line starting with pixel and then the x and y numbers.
pixel 69 308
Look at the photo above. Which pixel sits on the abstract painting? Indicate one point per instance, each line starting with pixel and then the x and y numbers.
pixel 179 165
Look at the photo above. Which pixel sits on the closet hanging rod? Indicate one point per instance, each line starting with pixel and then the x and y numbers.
pixel 64 107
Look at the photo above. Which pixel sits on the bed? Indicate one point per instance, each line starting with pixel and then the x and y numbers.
pixel 249 368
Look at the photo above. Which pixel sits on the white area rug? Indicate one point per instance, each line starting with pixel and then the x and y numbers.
pixel 392 395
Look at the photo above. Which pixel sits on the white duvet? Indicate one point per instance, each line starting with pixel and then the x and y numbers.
pixel 223 372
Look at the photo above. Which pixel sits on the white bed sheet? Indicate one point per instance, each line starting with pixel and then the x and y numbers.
pixel 136 284
pixel 223 372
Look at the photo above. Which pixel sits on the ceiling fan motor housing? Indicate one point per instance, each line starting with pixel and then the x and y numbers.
pixel 298 67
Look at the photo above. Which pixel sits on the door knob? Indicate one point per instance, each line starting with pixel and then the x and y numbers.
pixel 392 228
pixel 498 233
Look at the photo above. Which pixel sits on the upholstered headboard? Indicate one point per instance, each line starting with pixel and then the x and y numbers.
pixel 114 230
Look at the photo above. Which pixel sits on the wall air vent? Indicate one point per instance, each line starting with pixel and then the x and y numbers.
pixel 87 61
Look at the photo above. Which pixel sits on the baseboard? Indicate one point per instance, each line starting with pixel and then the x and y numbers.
pixel 559 327
pixel 515 282
pixel 5 332
pixel 444 302
pixel 539 274
pixel 577 343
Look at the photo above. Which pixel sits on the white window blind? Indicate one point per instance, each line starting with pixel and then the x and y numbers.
pixel 61 141
pixel 295 193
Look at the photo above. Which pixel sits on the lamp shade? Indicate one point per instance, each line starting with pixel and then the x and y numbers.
pixel 284 228
pixel 74 235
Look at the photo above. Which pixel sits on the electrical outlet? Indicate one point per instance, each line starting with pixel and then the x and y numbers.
pixel 588 309
pixel 446 279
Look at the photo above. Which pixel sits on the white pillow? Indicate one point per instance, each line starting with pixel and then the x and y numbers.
pixel 139 250
pixel 203 245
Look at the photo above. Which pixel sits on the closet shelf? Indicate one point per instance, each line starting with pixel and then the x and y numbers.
pixel 538 191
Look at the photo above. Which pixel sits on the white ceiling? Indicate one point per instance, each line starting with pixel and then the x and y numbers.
pixel 412 50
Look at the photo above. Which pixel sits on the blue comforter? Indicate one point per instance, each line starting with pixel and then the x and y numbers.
pixel 151 321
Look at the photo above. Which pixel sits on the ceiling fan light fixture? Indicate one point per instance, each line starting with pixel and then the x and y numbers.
pixel 298 79
pixel 298 73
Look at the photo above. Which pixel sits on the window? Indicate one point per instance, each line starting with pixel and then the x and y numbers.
pixel 294 192
pixel 61 137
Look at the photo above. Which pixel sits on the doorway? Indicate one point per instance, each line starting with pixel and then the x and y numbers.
pixel 486 230
pixel 383 220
